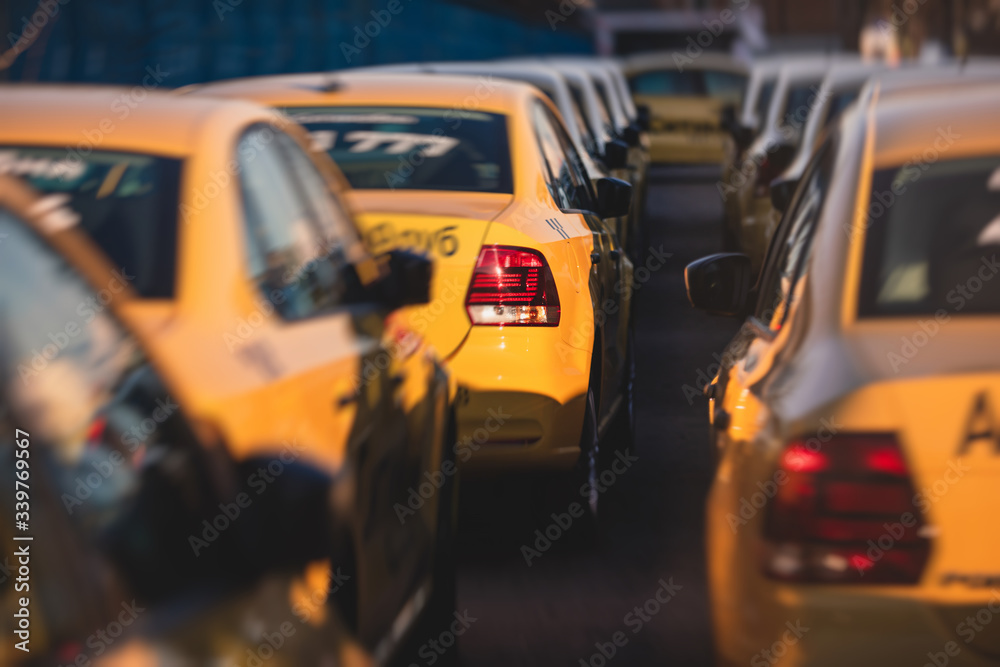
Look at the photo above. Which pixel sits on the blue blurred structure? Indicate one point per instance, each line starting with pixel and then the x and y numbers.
pixel 115 41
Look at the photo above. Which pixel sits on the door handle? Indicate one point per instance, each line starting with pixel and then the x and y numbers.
pixel 615 254
pixel 349 398
pixel 397 379
pixel 595 257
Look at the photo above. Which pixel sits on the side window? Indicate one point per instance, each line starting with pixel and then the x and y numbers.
pixel 286 245
pixel 568 182
pixel 335 225
pixel 792 244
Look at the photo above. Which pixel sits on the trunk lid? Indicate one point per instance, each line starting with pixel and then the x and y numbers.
pixel 450 228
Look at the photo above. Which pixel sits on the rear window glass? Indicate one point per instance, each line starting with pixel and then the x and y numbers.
pixel 411 148
pixel 728 86
pixel 764 101
pixel 127 203
pixel 933 239
pixel 667 82
pixel 797 104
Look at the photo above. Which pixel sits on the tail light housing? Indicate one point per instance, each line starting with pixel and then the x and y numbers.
pixel 512 286
pixel 846 513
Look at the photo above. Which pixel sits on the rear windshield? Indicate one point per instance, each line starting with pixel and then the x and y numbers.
pixel 727 86
pixel 414 149
pixel 764 101
pixel 933 239
pixel 127 203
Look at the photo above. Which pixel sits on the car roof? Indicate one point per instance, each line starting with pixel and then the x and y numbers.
pixel 158 122
pixel 909 122
pixel 377 87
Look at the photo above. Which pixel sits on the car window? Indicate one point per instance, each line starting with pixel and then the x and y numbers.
pixel 566 179
pixel 764 101
pixel 839 103
pixel 792 243
pixel 667 82
pixel 728 86
pixel 127 203
pixel 287 252
pixel 336 228
pixel 590 143
pixel 933 239
pixel 391 148
pixel 100 446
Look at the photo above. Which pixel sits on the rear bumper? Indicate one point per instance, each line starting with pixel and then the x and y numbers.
pixel 834 627
pixel 687 148
pixel 521 400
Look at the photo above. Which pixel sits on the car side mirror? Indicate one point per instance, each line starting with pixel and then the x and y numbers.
pixel 719 284
pixel 614 198
pixel 642 116
pixel 782 191
pixel 630 135
pixel 616 154
pixel 406 281
pixel 409 280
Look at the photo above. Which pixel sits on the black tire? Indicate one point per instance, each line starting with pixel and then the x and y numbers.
pixel 621 436
pixel 586 471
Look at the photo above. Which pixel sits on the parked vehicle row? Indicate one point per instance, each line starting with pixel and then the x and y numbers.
pixel 852 419
pixel 279 318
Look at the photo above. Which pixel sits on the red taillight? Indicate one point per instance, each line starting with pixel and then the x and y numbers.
pixel 514 287
pixel 845 513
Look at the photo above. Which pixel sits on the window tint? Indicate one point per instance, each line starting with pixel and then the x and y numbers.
pixel 108 450
pixel 414 149
pixel 933 239
pixel 798 104
pixel 336 229
pixel 566 179
pixel 792 244
pixel 764 101
pixel 667 82
pixel 729 86
pixel 127 203
pixel 287 249
pixel 839 103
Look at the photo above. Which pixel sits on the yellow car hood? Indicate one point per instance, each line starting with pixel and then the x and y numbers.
pixel 450 228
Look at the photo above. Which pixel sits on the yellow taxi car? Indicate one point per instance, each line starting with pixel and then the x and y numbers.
pixel 855 415
pixel 688 101
pixel 532 294
pixel 96 565
pixel 256 297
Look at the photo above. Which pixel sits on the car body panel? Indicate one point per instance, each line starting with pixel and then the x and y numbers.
pixel 827 368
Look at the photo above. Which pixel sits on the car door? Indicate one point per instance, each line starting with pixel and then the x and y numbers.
pixel 611 272
pixel 298 237
pixel 735 404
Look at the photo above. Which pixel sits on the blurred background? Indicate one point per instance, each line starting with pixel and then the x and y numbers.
pixel 113 41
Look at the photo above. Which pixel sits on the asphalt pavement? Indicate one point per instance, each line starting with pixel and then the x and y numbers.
pixel 637 597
